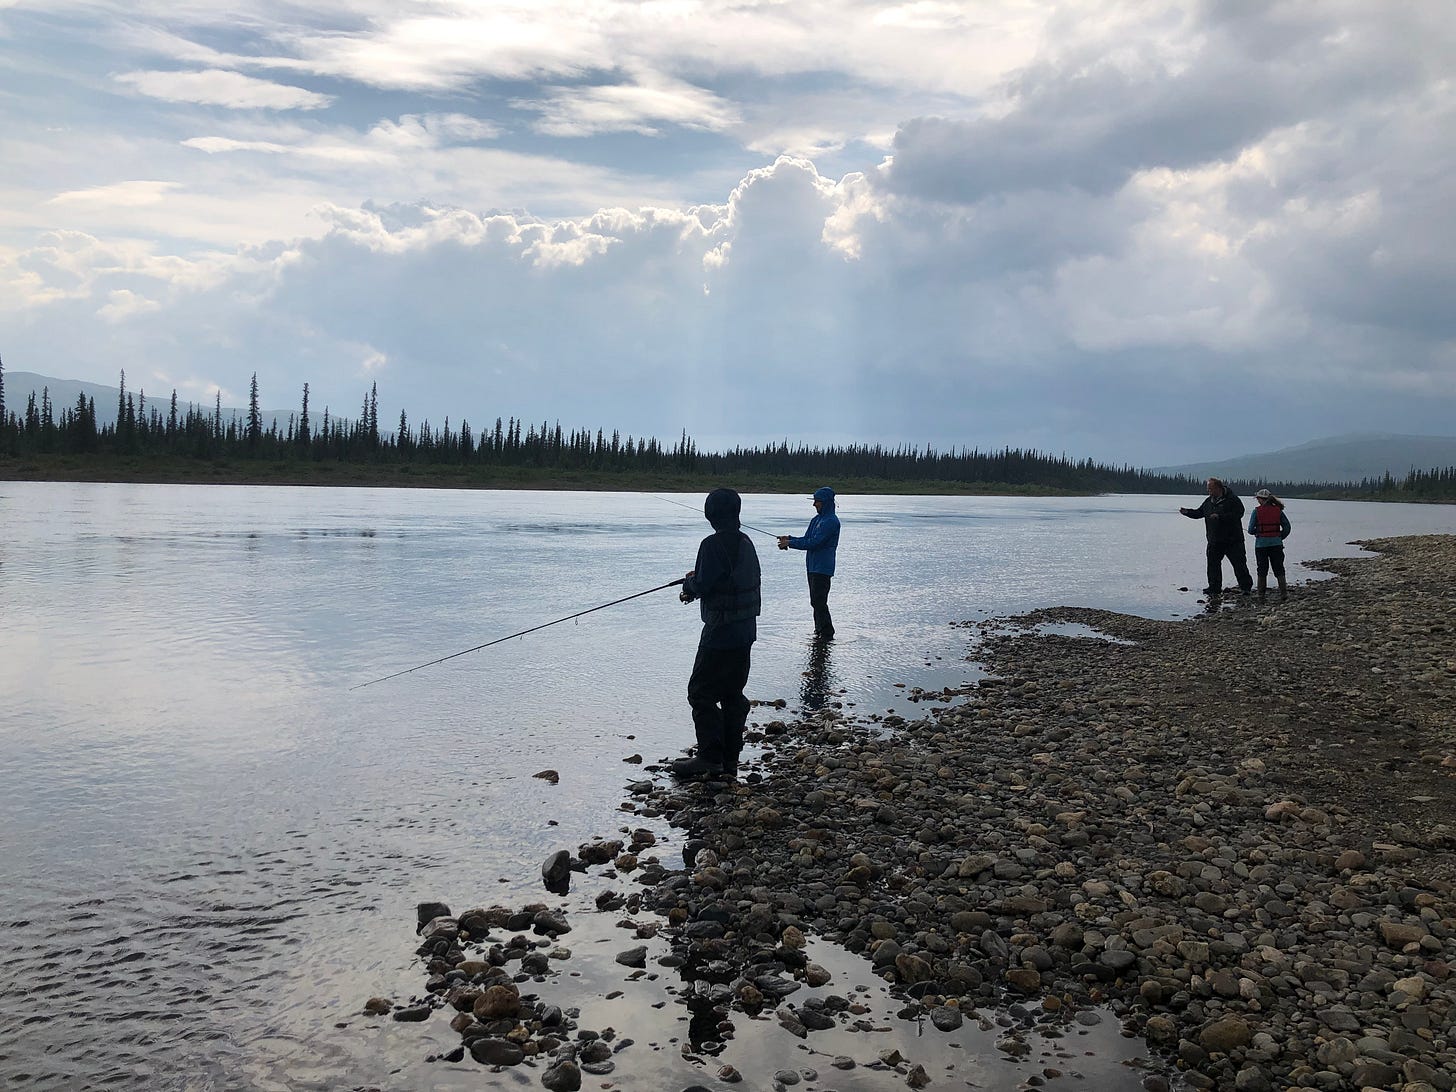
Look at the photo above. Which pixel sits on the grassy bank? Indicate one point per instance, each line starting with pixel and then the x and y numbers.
pixel 177 471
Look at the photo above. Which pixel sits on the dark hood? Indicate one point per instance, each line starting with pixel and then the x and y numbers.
pixel 722 508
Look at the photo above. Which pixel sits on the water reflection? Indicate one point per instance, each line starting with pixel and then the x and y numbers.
pixel 819 678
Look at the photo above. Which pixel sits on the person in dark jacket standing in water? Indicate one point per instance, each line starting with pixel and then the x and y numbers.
pixel 725 582
pixel 820 542
pixel 1223 523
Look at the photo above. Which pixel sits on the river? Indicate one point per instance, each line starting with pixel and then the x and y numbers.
pixel 213 842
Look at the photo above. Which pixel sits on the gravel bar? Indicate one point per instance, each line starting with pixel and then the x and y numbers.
pixel 1238 830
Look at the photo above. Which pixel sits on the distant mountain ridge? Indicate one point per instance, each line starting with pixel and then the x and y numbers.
pixel 19 386
pixel 1348 458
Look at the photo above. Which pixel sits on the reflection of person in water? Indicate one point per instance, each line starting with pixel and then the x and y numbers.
pixel 818 679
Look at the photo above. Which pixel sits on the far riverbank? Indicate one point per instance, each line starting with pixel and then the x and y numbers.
pixel 176 471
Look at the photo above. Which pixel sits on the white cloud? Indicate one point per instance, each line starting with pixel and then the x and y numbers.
pixel 216 87
pixel 642 107
pixel 927 46
pixel 132 194
pixel 214 145
pixel 414 131
pixel 447 50
pixel 123 303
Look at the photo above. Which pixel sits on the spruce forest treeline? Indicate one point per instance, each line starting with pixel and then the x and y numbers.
pixel 146 428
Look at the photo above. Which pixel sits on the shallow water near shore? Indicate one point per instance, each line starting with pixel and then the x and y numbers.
pixel 212 847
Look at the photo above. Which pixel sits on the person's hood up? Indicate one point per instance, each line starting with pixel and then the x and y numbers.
pixel 825 496
pixel 722 508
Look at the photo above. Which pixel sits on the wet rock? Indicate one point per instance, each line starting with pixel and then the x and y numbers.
pixel 633 957
pixel 562 1076
pixel 946 1019
pixel 492 1051
pixel 550 923
pixel 475 922
pixel 556 870
pixel 496 1001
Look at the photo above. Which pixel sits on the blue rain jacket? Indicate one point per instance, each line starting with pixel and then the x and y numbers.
pixel 821 539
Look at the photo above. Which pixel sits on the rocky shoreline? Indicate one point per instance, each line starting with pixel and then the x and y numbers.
pixel 1238 831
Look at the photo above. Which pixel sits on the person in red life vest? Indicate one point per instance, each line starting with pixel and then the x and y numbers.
pixel 1223 518
pixel 1270 527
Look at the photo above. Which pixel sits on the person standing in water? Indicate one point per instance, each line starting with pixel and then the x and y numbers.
pixel 1269 525
pixel 819 541
pixel 725 582
pixel 1223 520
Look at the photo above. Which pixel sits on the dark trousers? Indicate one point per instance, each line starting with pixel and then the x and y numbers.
pixel 1238 558
pixel 1267 557
pixel 819 600
pixel 715 691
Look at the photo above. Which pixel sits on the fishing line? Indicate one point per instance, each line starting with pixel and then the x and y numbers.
pixel 533 629
pixel 699 511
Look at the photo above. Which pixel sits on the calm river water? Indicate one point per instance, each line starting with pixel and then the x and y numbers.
pixel 211 847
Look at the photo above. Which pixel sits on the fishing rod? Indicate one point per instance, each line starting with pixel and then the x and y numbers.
pixel 533 629
pixel 690 508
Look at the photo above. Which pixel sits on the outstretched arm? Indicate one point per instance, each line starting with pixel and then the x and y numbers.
pixel 817 534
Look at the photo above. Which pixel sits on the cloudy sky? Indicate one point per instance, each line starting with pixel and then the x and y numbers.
pixel 1145 232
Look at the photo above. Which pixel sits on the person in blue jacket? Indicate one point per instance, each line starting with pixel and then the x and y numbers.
pixel 1269 525
pixel 819 543
pixel 725 582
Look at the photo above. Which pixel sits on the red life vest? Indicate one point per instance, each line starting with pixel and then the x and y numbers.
pixel 1266 520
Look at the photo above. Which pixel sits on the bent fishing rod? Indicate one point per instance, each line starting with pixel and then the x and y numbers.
pixel 533 629
pixel 690 508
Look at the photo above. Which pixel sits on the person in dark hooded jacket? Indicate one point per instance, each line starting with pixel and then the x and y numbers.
pixel 725 582
pixel 1223 524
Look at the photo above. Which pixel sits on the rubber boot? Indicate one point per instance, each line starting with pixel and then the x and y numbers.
pixel 1263 587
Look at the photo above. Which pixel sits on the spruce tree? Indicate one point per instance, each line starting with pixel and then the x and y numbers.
pixel 302 435
pixel 255 420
